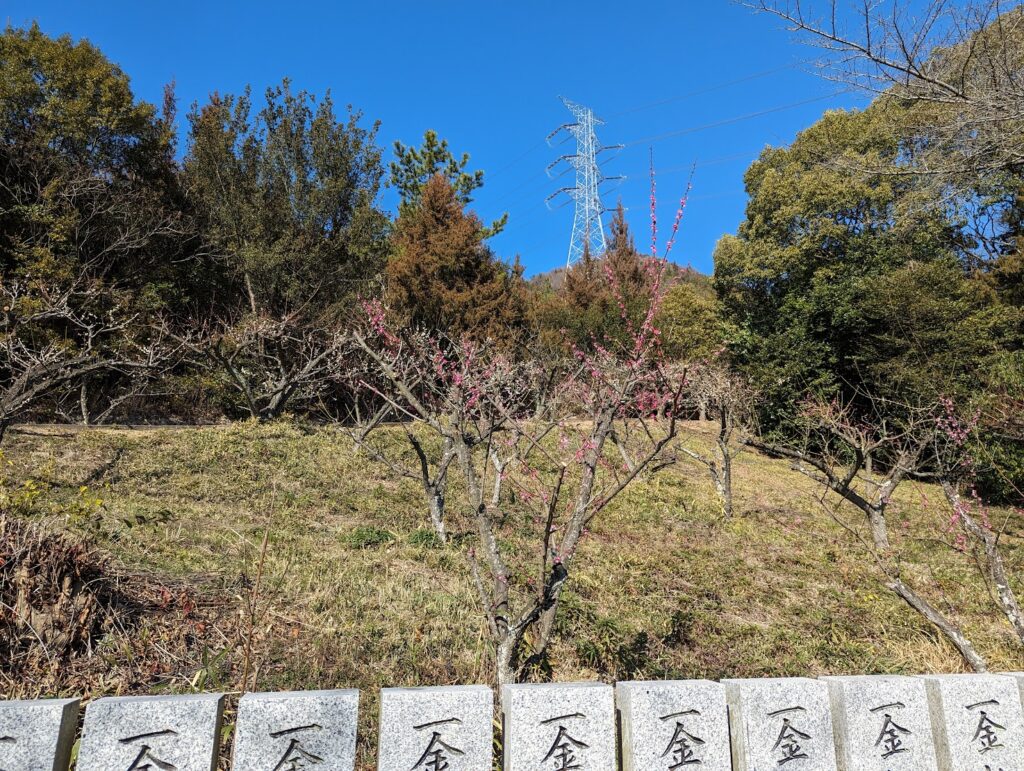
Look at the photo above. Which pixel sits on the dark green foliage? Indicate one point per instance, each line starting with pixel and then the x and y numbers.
pixel 845 279
pixel 827 259
pixel 288 199
pixel 690 320
pixel 413 167
pixel 92 225
pixel 287 202
pixel 88 171
pixel 601 294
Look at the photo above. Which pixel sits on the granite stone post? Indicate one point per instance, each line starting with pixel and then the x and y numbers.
pixel 37 735
pixel 444 727
pixel 557 726
pixel 881 723
pixel 780 723
pixel 151 732
pixel 977 722
pixel 297 729
pixel 673 724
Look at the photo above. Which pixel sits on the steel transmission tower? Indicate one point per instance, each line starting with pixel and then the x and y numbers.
pixel 587 227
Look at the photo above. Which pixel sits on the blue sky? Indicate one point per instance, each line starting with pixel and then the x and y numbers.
pixel 706 81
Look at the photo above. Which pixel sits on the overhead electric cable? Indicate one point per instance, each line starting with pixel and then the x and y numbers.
pixel 737 119
pixel 707 89
pixel 667 100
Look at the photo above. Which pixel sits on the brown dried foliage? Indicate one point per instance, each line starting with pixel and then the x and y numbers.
pixel 72 622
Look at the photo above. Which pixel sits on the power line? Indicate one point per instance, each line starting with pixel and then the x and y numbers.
pixel 707 89
pixel 737 119
pixel 668 100
pixel 538 207
pixel 689 130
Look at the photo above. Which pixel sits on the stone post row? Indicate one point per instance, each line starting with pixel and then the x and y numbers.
pixel 863 723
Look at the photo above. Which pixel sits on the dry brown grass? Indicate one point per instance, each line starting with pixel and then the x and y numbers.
pixel 356 593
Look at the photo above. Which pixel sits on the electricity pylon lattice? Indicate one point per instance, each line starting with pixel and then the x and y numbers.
pixel 587 227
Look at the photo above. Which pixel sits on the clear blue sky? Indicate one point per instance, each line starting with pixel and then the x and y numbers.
pixel 487 75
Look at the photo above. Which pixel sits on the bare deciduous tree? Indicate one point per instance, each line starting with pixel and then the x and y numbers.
pixel 430 470
pixel 50 342
pixel 480 405
pixel 729 399
pixel 549 444
pixel 839 445
pixel 272 363
pixel 955 471
pixel 960 61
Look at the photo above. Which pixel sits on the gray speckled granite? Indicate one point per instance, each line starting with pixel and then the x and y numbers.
pixel 669 724
pixel 128 732
pixel 881 723
pixel 780 723
pixel 422 728
pixel 37 735
pixel 977 722
pixel 558 726
pixel 297 729
pixel 1019 677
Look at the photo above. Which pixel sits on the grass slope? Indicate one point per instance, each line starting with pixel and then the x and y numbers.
pixel 355 592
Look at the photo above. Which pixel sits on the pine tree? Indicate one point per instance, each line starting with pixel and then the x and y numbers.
pixel 413 168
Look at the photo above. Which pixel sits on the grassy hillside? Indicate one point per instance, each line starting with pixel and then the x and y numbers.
pixel 354 590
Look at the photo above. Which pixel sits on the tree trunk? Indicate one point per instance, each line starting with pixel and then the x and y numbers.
pixel 949 629
pixel 83 400
pixel 505 652
pixel 435 496
pixel 499 470
pixel 4 423
pixel 546 626
pixel 879 530
pixel 996 568
pixel 724 480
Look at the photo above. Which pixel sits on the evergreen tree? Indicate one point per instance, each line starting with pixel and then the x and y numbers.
pixel 288 205
pixel 587 308
pixel 441 276
pixel 413 168
pixel 91 229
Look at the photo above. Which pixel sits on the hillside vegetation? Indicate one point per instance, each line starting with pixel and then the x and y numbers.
pixel 355 590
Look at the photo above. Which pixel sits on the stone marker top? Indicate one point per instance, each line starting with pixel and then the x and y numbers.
pixel 765 681
pixel 274 695
pixel 29 703
pixel 296 729
pixel 882 723
pixel 671 683
pixel 559 726
pixel 865 678
pixel 552 686
pixel 141 700
pixel 438 689
pixel 965 677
